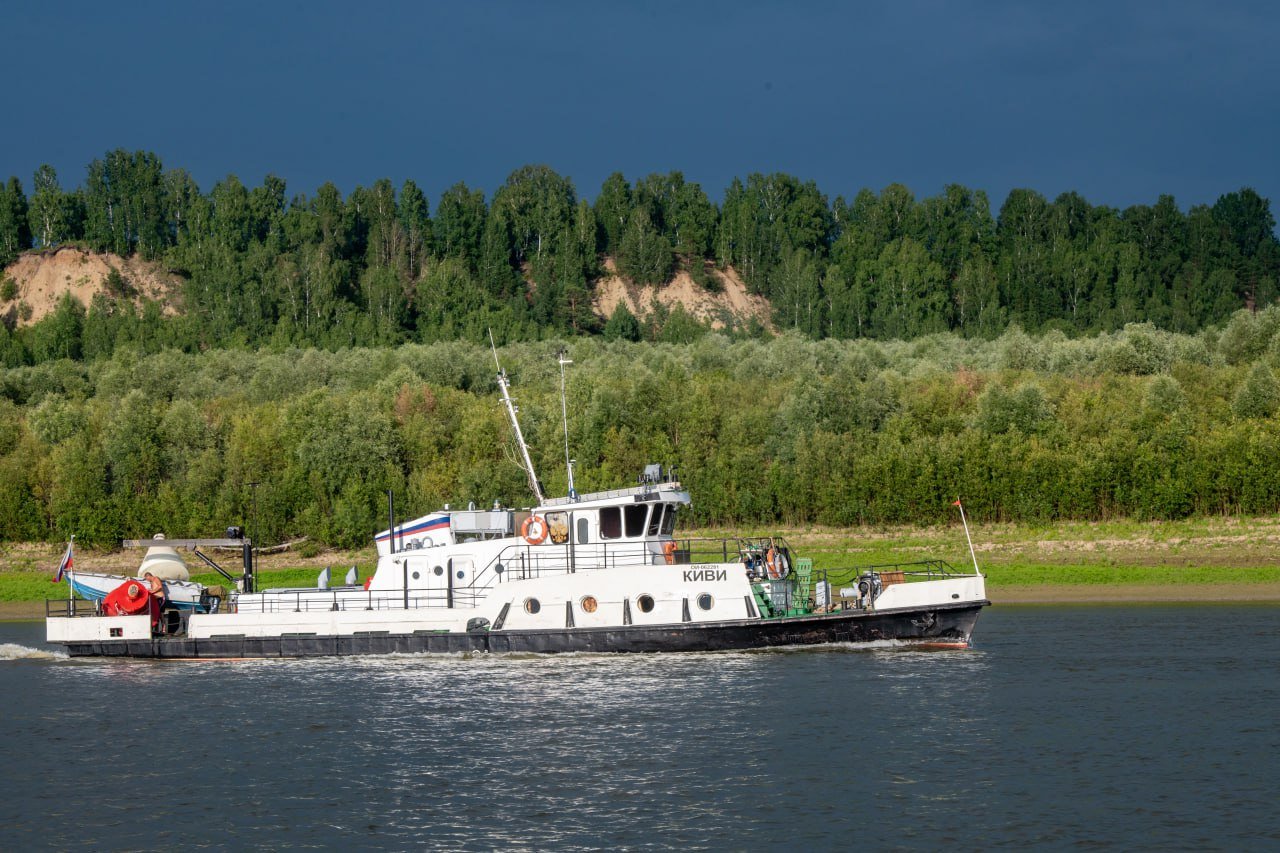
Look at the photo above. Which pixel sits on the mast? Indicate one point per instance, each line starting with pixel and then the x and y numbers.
pixel 564 411
pixel 969 539
pixel 71 568
pixel 504 384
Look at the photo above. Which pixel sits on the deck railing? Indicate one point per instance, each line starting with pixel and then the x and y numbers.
pixel 69 607
pixel 352 598
pixel 918 570
pixel 523 562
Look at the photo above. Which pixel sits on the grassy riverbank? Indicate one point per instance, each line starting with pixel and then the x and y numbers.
pixel 1215 559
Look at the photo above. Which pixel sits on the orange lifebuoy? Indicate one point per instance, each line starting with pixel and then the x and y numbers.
pixel 534 529
pixel 669 551
pixel 774 564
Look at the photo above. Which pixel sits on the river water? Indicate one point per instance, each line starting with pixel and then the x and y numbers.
pixel 1135 727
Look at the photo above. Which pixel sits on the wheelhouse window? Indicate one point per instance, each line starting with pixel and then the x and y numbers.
pixel 611 523
pixel 669 520
pixel 655 520
pixel 636 515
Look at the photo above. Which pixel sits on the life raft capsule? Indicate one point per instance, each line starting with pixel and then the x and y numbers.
pixel 534 529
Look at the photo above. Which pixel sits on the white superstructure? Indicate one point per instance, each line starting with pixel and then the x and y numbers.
pixel 448 567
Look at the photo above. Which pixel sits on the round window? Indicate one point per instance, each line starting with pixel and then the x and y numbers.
pixel 645 603
pixel 588 604
pixel 438 570
pixel 531 605
pixel 461 574
pixel 705 601
pixel 416 575
pixel 497 570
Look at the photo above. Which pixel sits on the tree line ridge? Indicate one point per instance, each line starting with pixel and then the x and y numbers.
pixel 381 266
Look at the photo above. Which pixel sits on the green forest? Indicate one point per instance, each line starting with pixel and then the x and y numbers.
pixel 383 266
pixel 1140 423
pixel 1055 360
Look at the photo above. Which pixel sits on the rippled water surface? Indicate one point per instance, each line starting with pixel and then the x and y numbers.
pixel 1140 727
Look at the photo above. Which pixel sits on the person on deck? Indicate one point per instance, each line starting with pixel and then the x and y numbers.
pixel 157 588
pixel 159 598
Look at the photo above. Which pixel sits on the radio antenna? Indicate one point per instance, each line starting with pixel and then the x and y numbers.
pixel 564 411
pixel 504 384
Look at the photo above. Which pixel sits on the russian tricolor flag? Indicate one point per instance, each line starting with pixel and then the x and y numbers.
pixel 65 565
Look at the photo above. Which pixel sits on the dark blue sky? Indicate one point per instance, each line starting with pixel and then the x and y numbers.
pixel 1119 101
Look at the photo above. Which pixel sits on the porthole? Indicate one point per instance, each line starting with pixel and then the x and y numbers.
pixel 498 569
pixel 531 605
pixel 705 601
pixel 461 574
pixel 588 604
pixel 438 570
pixel 416 575
pixel 645 603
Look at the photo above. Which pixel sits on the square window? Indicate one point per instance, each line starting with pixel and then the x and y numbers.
pixel 611 523
pixel 636 515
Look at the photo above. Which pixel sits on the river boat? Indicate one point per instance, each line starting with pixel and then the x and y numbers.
pixel 597 572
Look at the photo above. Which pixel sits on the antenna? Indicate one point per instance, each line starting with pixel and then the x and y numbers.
pixel 504 384
pixel 564 410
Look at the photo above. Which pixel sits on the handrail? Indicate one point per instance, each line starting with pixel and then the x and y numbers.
pixel 69 607
pixel 523 561
pixel 319 600
pixel 645 489
pixel 535 560
pixel 914 569
pixel 731 549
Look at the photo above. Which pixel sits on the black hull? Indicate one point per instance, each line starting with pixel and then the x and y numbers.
pixel 943 625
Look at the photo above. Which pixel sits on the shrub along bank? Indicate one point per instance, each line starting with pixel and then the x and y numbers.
pixel 1139 423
